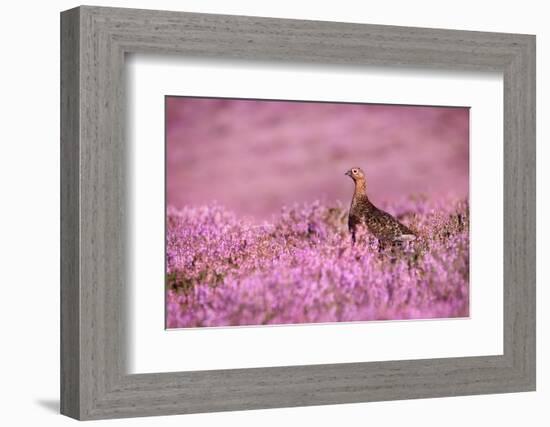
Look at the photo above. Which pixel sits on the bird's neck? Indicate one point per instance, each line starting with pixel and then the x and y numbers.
pixel 360 189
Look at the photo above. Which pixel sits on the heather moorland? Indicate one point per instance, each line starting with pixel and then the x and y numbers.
pixel 257 204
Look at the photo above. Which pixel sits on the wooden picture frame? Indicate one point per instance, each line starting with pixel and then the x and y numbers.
pixel 94 382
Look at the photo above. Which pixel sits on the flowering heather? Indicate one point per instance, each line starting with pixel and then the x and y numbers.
pixel 223 270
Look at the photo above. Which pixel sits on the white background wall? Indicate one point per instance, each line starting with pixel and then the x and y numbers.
pixel 29 217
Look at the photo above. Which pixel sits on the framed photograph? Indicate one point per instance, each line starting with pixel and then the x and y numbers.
pixel 342 212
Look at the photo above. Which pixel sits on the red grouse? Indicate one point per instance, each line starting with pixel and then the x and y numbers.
pixel 362 212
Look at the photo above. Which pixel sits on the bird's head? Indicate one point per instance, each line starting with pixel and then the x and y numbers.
pixel 356 174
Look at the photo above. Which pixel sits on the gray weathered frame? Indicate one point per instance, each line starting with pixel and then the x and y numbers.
pixel 94 41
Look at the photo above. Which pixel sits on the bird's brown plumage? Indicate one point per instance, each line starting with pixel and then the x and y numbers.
pixel 362 212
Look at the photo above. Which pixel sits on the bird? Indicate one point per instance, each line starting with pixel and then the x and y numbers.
pixel 362 212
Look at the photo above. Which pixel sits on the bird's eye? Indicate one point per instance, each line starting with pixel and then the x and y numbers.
pixel 354 171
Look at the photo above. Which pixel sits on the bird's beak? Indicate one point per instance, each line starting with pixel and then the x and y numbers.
pixel 348 173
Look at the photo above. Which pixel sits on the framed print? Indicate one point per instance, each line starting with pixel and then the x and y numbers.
pixel 291 191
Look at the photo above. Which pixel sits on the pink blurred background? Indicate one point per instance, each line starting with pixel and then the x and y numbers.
pixel 254 156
